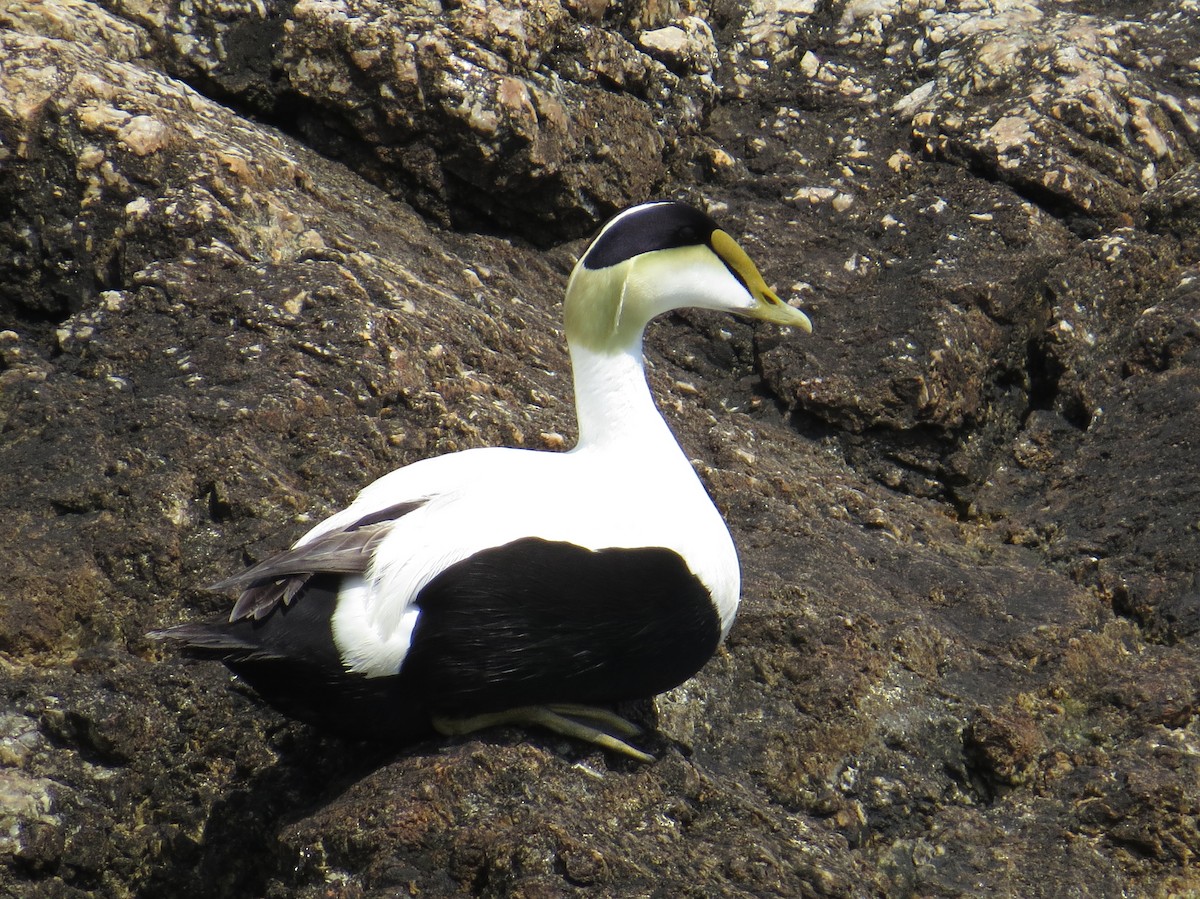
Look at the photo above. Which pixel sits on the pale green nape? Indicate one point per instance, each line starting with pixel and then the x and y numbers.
pixel 592 306
pixel 606 310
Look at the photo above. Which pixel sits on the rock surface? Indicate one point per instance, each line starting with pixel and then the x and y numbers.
pixel 254 254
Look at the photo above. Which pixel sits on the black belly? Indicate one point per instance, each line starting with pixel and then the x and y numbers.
pixel 290 659
pixel 537 622
pixel 531 622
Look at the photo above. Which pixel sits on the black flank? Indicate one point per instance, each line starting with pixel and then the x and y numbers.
pixel 290 659
pixel 531 622
pixel 537 621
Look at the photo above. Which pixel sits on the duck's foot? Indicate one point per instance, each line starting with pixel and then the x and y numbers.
pixel 566 719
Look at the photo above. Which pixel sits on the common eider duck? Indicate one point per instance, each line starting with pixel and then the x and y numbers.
pixel 510 586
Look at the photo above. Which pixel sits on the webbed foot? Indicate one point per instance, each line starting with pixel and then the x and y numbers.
pixel 563 718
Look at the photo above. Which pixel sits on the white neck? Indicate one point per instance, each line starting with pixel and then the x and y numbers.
pixel 622 431
pixel 616 411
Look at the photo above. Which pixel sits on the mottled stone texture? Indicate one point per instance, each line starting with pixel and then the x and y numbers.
pixel 254 254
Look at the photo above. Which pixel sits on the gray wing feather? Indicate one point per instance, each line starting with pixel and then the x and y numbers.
pixel 281 577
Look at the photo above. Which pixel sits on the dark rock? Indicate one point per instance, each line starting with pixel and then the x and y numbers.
pixel 1004 745
pixel 514 115
pixel 965 662
pixel 1174 205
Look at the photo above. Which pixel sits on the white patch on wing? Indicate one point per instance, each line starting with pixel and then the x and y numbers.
pixel 362 647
